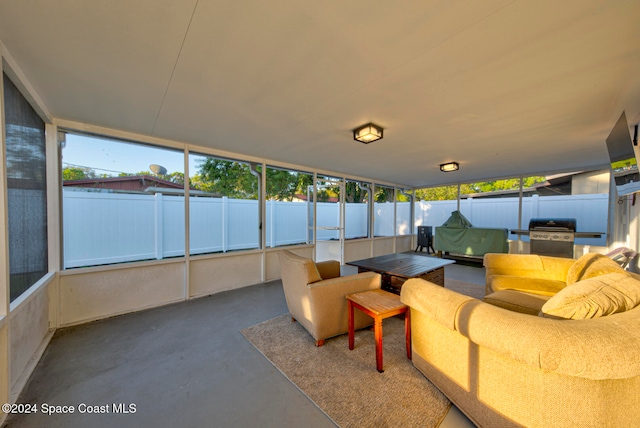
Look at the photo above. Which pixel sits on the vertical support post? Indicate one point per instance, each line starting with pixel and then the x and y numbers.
pixel 395 219
pixel 253 168
pixel 314 211
pixel 54 218
pixel 5 369
pixel 272 224
pixel 342 219
pixel 187 226
pixel 225 224
pixel 159 226
pixel 520 213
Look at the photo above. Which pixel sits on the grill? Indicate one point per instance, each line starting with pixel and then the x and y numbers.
pixel 425 238
pixel 552 237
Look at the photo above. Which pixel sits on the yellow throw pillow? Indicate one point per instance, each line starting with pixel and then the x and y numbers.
pixel 592 265
pixel 595 297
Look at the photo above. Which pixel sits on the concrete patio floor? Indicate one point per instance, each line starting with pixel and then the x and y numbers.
pixel 185 364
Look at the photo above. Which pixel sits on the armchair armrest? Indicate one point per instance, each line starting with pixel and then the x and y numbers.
pixel 327 305
pixel 328 269
pixel 343 285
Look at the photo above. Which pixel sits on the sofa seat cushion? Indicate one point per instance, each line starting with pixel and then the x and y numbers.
pixel 592 265
pixel 594 297
pixel 517 301
pixel 545 287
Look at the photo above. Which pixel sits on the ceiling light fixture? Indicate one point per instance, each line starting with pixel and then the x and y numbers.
pixel 449 166
pixel 367 133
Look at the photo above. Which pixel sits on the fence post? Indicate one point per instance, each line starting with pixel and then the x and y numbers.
pixel 159 224
pixel 535 205
pixel 225 224
pixel 272 224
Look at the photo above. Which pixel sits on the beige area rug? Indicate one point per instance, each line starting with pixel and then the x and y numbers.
pixel 473 290
pixel 345 384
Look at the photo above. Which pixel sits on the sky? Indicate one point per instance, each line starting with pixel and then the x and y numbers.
pixel 111 157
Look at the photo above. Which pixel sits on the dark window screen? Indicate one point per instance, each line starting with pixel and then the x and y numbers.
pixel 27 196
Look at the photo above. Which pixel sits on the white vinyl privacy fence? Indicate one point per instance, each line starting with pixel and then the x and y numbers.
pixel 102 228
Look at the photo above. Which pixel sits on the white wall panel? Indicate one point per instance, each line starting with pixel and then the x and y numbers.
pixel 382 246
pixel 4 364
pixel 91 295
pixel 404 243
pixel 357 250
pixel 29 328
pixel 212 275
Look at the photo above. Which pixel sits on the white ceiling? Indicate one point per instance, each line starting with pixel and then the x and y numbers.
pixel 503 87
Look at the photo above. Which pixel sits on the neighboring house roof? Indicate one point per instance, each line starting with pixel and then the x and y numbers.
pixel 131 183
pixel 303 198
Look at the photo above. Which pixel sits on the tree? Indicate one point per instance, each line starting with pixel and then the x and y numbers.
pixel 353 193
pixel 449 193
pixel 235 180
pixel 227 178
pixel 283 185
pixel 444 193
pixel 78 173
pixel 70 173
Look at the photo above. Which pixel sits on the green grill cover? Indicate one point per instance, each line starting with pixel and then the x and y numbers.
pixel 457 236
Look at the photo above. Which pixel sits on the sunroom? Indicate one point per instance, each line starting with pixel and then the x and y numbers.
pixel 156 153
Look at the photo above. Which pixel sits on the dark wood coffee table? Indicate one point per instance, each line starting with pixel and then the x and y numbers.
pixel 397 268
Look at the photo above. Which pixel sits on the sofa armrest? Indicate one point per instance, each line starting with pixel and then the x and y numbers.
pixel 328 269
pixel 433 300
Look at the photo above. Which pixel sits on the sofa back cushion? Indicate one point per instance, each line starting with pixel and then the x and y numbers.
pixel 592 265
pixel 594 297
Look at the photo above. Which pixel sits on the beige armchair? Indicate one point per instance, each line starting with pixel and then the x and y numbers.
pixel 315 294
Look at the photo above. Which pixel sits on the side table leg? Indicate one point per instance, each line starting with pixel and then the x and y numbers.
pixel 351 325
pixel 407 331
pixel 377 332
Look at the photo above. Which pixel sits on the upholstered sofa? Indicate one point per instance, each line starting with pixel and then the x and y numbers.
pixel 458 236
pixel 525 282
pixel 577 364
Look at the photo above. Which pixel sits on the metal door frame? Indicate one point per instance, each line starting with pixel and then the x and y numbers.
pixel 331 182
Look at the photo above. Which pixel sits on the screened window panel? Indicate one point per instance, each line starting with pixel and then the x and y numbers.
pixel 122 201
pixel 26 194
